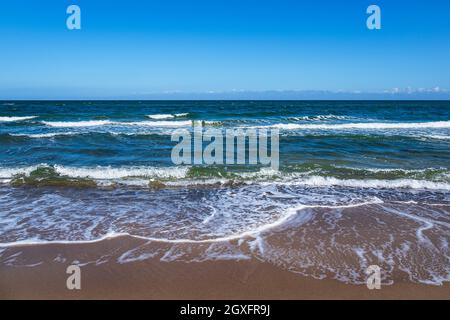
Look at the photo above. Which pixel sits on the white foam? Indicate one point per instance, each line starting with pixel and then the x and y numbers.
pixel 33 242
pixel 167 116
pixel 426 223
pixel 263 172
pixel 319 181
pixel 76 124
pixel 437 137
pixel 130 256
pixel 253 233
pixel 186 123
pixel 387 170
pixel 208 122
pixel 7 173
pixel 101 173
pixel 161 116
pixel 108 173
pixel 364 126
pixel 45 135
pixel 97 123
pixel 14 119
pixel 148 172
pixel 267 171
pixel 321 117
pixel 74 133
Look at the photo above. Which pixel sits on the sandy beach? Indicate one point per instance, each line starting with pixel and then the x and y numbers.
pixel 153 279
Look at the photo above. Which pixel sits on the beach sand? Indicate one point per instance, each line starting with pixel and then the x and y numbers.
pixel 154 279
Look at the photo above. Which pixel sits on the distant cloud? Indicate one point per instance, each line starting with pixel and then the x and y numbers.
pixel 408 93
pixel 435 93
pixel 409 90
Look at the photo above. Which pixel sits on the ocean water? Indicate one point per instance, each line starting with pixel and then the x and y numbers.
pixel 359 183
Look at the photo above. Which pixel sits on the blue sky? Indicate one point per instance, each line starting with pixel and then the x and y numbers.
pixel 224 48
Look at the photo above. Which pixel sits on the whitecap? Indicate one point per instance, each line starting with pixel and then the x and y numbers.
pixel 364 125
pixel 186 123
pixel 97 123
pixel 161 116
pixel 45 135
pixel 75 124
pixel 14 119
pixel 167 116
pixel 321 118
pixel 108 173
pixel 319 181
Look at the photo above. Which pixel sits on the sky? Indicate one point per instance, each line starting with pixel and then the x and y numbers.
pixel 223 49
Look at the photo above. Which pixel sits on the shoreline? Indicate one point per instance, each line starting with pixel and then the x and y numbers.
pixel 175 280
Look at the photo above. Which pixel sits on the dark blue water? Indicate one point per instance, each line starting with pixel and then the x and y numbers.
pixel 64 133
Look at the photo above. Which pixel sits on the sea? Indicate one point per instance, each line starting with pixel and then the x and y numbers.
pixel 359 183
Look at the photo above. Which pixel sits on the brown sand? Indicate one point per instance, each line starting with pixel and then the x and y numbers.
pixel 153 279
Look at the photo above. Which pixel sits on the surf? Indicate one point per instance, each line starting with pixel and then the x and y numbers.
pixel 364 126
pixel 99 123
pixel 15 119
pixel 167 116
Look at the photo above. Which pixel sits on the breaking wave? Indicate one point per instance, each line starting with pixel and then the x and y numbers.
pixel 14 119
pixel 167 116
pixel 97 123
pixel 364 126
pixel 77 124
pixel 305 175
pixel 325 117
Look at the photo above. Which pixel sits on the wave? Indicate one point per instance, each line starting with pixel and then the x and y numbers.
pixel 46 135
pixel 58 172
pixel 364 125
pixel 318 181
pixel 167 116
pixel 14 119
pixel 97 123
pixel 8 173
pixel 252 233
pixel 6 136
pixel 159 122
pixel 186 123
pixel 76 124
pixel 108 173
pixel 161 116
pixel 307 175
pixel 50 135
pixel 321 118
pixel 436 137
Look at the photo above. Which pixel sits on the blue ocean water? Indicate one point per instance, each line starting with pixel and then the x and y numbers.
pixel 406 135
pixel 74 171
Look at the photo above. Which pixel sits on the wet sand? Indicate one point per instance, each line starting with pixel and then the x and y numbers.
pixel 153 279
